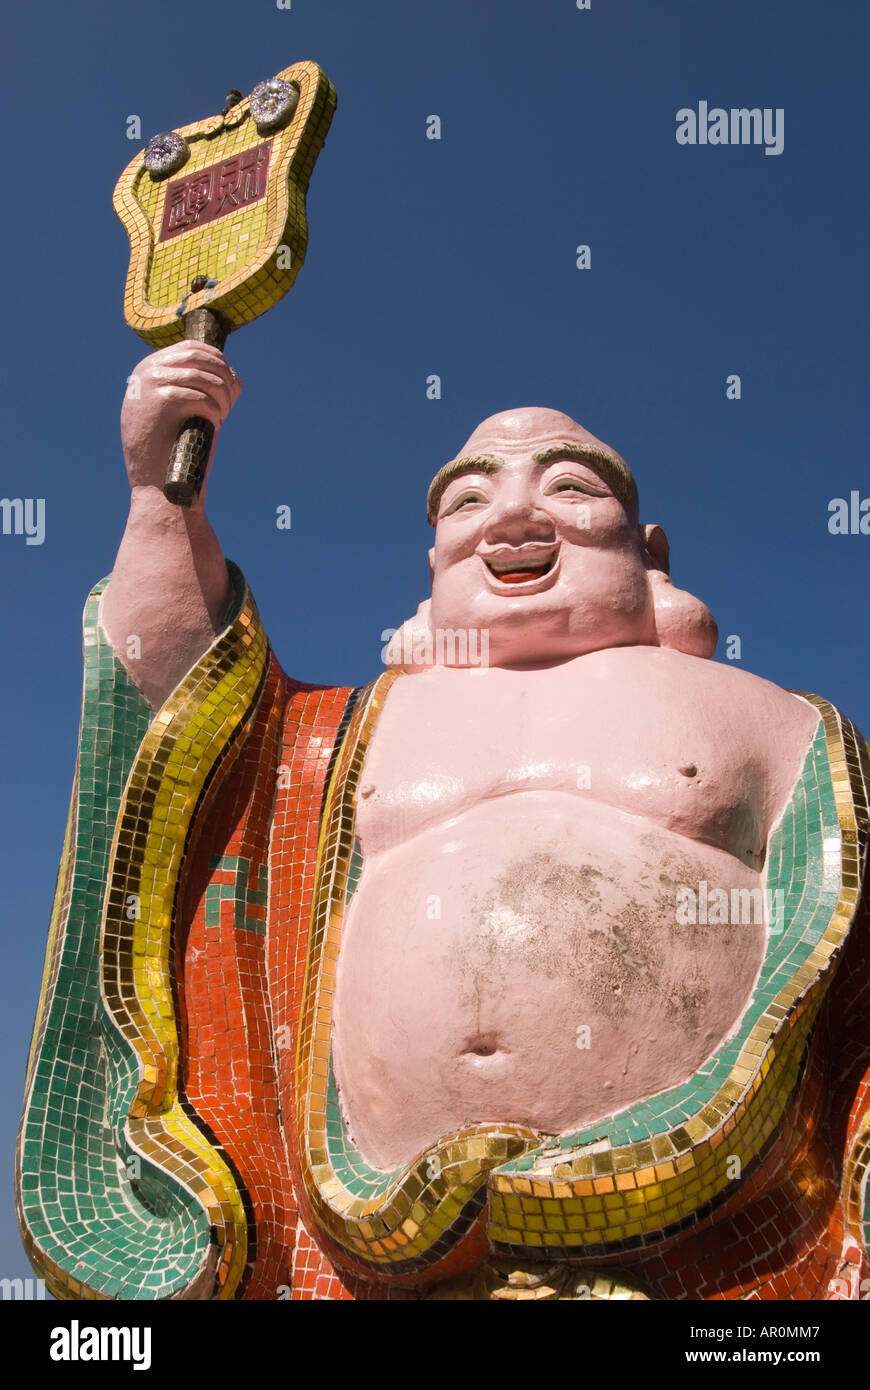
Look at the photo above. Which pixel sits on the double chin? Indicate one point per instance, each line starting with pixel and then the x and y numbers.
pixel 553 623
pixel 538 634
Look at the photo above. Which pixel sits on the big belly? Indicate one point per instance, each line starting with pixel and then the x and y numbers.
pixel 526 962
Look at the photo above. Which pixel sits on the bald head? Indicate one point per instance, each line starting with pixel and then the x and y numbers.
pixel 545 434
pixel 529 424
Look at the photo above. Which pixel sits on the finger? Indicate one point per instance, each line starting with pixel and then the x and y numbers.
pixel 199 384
pixel 187 345
pixel 189 352
pixel 213 368
pixel 211 375
pixel 195 402
pixel 194 380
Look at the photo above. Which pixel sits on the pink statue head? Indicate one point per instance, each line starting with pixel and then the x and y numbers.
pixel 539 555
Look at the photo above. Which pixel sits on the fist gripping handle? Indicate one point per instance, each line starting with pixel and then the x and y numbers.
pixel 190 452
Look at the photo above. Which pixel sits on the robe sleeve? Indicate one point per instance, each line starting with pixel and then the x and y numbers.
pixel 118 1193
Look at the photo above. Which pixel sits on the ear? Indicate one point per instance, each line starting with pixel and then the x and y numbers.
pixel 431 564
pixel 683 622
pixel 655 543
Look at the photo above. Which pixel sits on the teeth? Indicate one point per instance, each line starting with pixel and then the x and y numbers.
pixel 535 566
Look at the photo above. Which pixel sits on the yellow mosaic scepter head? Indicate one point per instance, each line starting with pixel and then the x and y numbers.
pixel 215 213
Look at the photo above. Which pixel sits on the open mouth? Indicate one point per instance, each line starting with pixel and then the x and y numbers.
pixel 520 567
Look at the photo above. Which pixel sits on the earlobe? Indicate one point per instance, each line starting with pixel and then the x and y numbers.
pixel 431 564
pixel 683 622
pixel 655 543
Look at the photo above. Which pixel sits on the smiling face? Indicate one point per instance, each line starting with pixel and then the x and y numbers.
pixel 537 542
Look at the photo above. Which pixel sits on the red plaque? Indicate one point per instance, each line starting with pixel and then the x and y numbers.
pixel 213 192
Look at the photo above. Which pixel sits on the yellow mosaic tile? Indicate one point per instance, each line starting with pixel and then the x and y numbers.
pixel 240 248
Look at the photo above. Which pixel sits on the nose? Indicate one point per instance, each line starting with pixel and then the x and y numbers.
pixel 516 518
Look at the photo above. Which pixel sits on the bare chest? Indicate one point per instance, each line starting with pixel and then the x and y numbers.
pixel 619 732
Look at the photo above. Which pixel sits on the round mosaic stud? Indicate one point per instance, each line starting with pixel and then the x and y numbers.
pixel 165 153
pixel 273 104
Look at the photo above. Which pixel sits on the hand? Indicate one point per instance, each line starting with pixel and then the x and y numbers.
pixel 165 388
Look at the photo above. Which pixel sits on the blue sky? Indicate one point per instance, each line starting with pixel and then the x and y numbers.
pixel 454 257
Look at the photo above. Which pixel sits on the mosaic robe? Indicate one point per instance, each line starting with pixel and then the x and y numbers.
pixel 181 1134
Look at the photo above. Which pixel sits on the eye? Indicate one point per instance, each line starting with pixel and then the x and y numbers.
pixel 463 500
pixel 575 484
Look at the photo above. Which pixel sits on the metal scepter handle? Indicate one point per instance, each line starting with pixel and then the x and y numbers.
pixel 190 452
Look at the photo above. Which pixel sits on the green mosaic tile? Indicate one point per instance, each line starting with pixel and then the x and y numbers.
pixel 114 1235
pixel 354 869
pixel 241 894
pixel 345 1158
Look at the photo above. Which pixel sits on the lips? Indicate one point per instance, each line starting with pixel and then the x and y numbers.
pixel 521 565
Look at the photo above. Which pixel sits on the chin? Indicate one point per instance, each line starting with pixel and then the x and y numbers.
pixel 543 628
pixel 533 638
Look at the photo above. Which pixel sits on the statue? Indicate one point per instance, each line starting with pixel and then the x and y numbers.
pixel 535 978
pixel 536 968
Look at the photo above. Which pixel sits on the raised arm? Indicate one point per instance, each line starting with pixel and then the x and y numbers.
pixel 169 589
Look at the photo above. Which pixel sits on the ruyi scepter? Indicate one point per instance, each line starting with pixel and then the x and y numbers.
pixel 220 244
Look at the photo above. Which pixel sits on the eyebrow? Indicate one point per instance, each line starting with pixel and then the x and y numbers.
pixel 466 463
pixel 612 469
pixel 610 466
